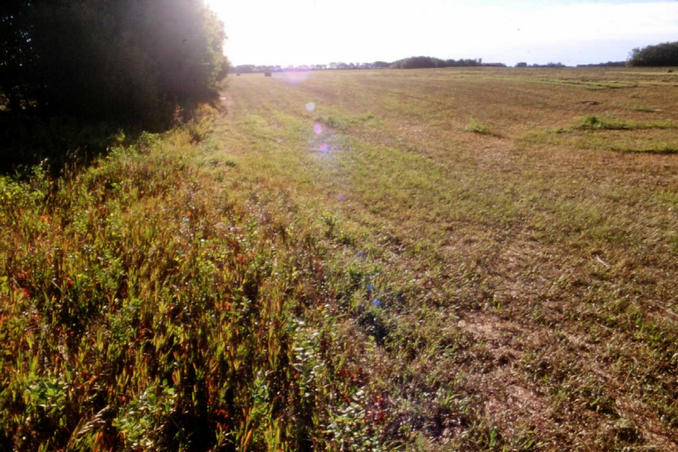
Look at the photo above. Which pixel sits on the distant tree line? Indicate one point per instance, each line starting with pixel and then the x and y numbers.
pixel 253 68
pixel 133 60
pixel 608 64
pixel 665 54
pixel 405 63
pixel 417 62
pixel 547 65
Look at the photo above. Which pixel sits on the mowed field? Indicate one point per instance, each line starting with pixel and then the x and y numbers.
pixel 520 229
pixel 453 259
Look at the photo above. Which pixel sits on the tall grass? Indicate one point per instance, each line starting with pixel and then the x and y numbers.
pixel 143 307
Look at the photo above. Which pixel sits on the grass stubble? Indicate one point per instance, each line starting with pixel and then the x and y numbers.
pixel 336 262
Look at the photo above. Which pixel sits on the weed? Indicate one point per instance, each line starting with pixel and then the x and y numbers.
pixel 476 127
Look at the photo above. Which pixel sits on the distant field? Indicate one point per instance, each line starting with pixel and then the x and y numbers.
pixel 453 259
pixel 523 248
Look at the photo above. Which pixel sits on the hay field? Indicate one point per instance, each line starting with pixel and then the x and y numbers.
pixel 520 227
pixel 454 259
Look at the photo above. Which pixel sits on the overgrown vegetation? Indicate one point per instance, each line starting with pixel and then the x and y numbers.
pixel 144 306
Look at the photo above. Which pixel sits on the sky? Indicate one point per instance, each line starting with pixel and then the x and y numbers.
pixel 294 32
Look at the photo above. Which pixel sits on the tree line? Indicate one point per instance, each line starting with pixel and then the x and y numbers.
pixel 405 63
pixel 136 61
pixel 665 54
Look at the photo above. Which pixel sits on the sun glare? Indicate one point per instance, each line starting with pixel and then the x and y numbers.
pixel 318 31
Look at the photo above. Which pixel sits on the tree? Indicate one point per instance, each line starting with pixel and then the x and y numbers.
pixel 430 62
pixel 665 54
pixel 417 62
pixel 131 59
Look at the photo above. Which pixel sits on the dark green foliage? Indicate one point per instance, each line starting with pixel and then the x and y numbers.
pixel 665 54
pixel 56 141
pixel 251 68
pixel 550 64
pixel 128 60
pixel 419 62
pixel 380 64
pixel 608 64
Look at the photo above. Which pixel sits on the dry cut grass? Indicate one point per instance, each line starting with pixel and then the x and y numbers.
pixel 526 272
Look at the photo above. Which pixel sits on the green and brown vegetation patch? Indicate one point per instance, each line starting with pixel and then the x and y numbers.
pixel 361 275
pixel 146 306
pixel 594 132
pixel 518 280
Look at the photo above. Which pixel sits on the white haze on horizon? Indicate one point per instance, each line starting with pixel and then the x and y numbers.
pixel 535 31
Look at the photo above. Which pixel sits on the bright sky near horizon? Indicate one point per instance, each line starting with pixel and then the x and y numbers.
pixel 535 31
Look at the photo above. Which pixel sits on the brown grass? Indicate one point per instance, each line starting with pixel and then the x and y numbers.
pixel 529 273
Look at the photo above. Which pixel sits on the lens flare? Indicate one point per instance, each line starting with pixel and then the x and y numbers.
pixel 310 106
pixel 294 77
pixel 324 148
pixel 317 128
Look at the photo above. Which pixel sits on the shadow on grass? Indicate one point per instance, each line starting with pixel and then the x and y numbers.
pixel 655 150
pixel 596 123
pixel 58 142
